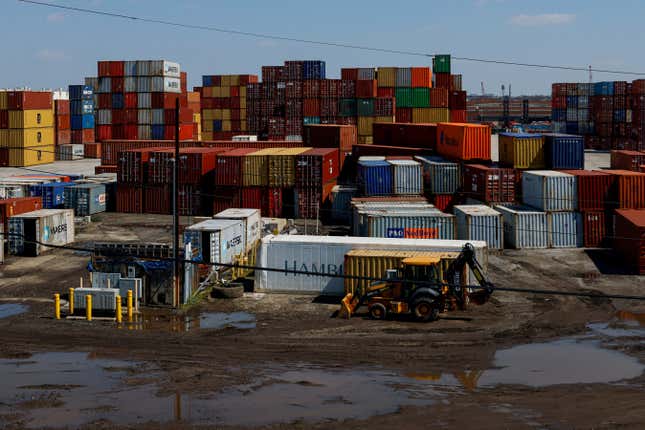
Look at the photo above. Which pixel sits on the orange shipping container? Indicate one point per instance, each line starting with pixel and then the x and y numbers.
pixel 92 150
pixel 463 141
pixel 629 189
pixel 421 77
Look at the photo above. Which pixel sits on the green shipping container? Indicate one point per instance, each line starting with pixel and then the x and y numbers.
pixel 403 97
pixel 365 107
pixel 441 64
pixel 347 107
pixel 420 97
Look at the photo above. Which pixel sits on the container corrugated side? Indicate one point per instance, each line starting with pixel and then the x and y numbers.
pixel 217 240
pixel 356 208
pixel 441 176
pixel 524 227
pixel 326 255
pixel 564 229
pixel 480 222
pixel 252 223
pixel 550 191
pixel 341 197
pixel 425 224
pixel 406 177
pixel 523 152
pixel 46 226
pixel 255 167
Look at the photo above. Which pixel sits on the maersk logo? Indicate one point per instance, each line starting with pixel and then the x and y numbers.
pixel 322 269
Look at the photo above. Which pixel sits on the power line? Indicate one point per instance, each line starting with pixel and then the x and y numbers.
pixel 320 42
pixel 344 276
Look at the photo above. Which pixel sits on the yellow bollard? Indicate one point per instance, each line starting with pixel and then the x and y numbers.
pixel 130 305
pixel 119 315
pixel 71 301
pixel 57 306
pixel 88 307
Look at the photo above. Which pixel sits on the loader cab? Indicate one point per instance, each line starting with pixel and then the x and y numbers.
pixel 422 269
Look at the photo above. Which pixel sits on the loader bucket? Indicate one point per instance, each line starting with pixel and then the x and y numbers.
pixel 479 297
pixel 347 306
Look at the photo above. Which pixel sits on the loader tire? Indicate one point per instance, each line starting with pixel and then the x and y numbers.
pixel 378 311
pixel 233 291
pixel 425 310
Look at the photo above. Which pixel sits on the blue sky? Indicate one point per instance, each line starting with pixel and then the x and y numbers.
pixel 53 48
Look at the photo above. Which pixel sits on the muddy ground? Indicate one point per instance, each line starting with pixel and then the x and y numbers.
pixel 294 331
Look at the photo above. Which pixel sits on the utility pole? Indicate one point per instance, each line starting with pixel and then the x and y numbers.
pixel 175 213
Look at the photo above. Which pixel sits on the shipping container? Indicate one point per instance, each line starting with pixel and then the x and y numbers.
pixel 627 160
pixel 251 221
pixel 312 202
pixel 255 170
pixel 219 241
pixel 326 255
pixel 31 118
pixel 331 136
pixel 489 184
pixel 15 206
pixel 549 190
pixel 430 115
pixel 564 229
pixel 521 151
pixel 31 232
pixel 281 165
pixel 628 189
pixel 340 199
pixel 464 141
pixel 480 222
pixel 29 156
pixel 405 135
pixel 413 224
pixel 524 227
pixel 30 137
pixel 86 199
pixel 629 242
pixel 594 189
pixel 593 229
pixel 563 151
pixel 26 100
pixel 317 166
pixel 374 177
pixel 407 177
pixel 385 203
pixel 440 176
pixel 230 167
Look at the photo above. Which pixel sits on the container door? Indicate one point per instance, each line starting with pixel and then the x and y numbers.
pixel 216 255
pixel 30 227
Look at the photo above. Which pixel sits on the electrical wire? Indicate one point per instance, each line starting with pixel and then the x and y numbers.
pixel 344 276
pixel 319 42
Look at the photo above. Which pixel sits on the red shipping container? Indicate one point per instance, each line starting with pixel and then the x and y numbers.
pixel 61 107
pixel 129 198
pixel 293 90
pixel 131 100
pixel 388 151
pixel 421 77
pixel 464 141
pixel 185 116
pixel 27 100
pixel 195 164
pixel 342 137
pixel 104 169
pixel 82 136
pixel 638 87
pixel 183 82
pixel 311 89
pixel 104 69
pixel 252 197
pixel 385 92
pixel 349 74
pixel 384 106
pixel 558 90
pixel 272 204
pixel 457 100
pixel 131 116
pixel 311 107
pixel 629 240
pixel 104 132
pixel 594 229
pixel 185 132
pixel 230 166
pixel 347 89
pixel 225 198
pixel 92 150
pixel 89 135
pixel 131 131
pixel 63 137
pixel 443 80
pixel 458 116
pixel 404 115
pixel 627 160
pixel 366 89
pixel 117 68
pixel 317 166
pixel 444 202
pixel 489 184
pixel 160 166
pixel 118 117
pixel 628 191
pixel 594 189
pixel 157 199
pixel 62 122
pixel 132 165
pixel 17 206
pixel 4 118
pixel 313 201
pixel 105 101
pixel 190 200
pixel 167 100
pixel 407 135
pixel 117 85
pixel 439 98
pixel 329 108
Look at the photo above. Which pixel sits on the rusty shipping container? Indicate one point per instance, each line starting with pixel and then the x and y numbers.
pixel 594 229
pixel 342 137
pixel 627 160
pixel 629 242
pixel 129 198
pixel 407 135
pixel 317 166
pixel 17 206
pixel 230 167
pixel 464 141
pixel 594 189
pixel 489 184
pixel 628 190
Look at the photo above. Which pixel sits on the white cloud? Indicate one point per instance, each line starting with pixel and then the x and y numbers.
pixel 56 17
pixel 542 19
pixel 51 55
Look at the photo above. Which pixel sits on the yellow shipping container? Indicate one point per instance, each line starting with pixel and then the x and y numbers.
pixel 26 137
pixel 218 114
pixel 31 118
pixel 197 118
pixel 226 80
pixel 522 152
pixel 426 115
pixel 209 114
pixel 386 77
pixel 207 126
pixel 226 114
pixel 226 125
pixel 242 114
pixel 3 99
pixel 255 171
pixel 384 119
pixel 207 135
pixel 374 264
pixel 4 137
pixel 243 126
pixel 225 92
pixel 207 92
pixel 282 167
pixel 31 156
pixel 242 102
pixel 243 92
pixel 365 125
pixel 365 140
pixel 234 80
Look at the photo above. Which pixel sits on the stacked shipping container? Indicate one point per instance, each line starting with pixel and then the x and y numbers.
pixel 223 104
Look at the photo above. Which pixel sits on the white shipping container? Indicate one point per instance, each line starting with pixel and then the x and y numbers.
pixel 144 84
pixel 524 227
pixel 164 68
pixel 565 229
pixel 145 117
pixel 130 68
pixel 326 255
pixel 46 226
pixel 165 85
pixel 144 132
pixel 11 191
pixel 130 84
pixel 549 190
pixel 157 117
pixel 252 224
pixel 143 68
pixel 357 208
pixel 216 240
pixel 70 152
pixel 407 177
pixel 411 224
pixel 104 117
pixel 144 100
pixel 480 222
pixel 243 138
pixel 105 86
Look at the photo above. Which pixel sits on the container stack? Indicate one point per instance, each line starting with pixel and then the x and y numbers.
pixel 62 122
pixel 224 106
pixel 26 128
pixel 442 179
pixel 195 105
pixel 136 100
pixel 316 173
pixel 81 105
pixel 629 243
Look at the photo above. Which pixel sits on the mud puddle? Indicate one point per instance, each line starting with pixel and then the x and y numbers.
pixel 624 324
pixel 12 309
pixel 71 389
pixel 184 323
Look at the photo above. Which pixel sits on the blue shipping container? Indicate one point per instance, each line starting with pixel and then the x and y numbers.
pixel 118 101
pixel 308 120
pixel 572 102
pixel 564 151
pixel 313 70
pixel 81 107
pixel 158 132
pixel 217 125
pixel 620 115
pixel 80 92
pixel 81 122
pixel 375 178
pixel 559 114
pixel 207 81
pixel 53 194
pixel 603 88
pixel 572 127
